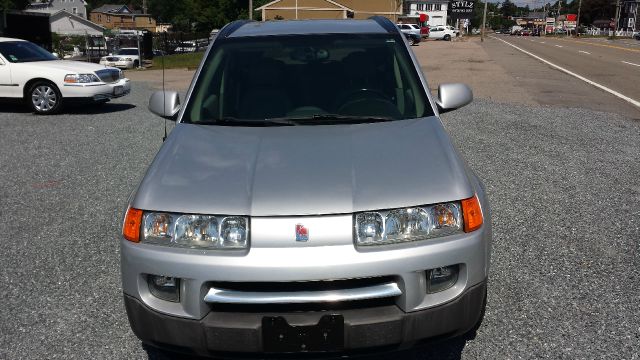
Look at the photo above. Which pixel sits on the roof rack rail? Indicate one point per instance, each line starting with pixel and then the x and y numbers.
pixel 385 23
pixel 231 27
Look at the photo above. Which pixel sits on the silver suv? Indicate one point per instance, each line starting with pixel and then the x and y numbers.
pixel 307 200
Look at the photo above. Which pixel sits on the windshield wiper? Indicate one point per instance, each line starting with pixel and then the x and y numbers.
pixel 228 120
pixel 327 119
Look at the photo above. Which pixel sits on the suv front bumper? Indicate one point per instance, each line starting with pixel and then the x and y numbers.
pixel 220 332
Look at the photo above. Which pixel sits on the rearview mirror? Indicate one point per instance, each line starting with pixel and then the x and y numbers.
pixel 453 96
pixel 165 104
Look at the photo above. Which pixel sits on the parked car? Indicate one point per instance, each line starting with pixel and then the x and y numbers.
pixel 125 58
pixel 159 53
pixel 186 47
pixel 636 35
pixel 413 39
pixel 30 72
pixel 525 32
pixel 284 218
pixel 442 32
pixel 409 28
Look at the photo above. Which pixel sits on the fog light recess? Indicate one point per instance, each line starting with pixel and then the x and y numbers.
pixel 442 278
pixel 164 287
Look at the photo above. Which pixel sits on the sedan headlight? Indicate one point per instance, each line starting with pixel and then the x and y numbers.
pixel 408 224
pixel 195 231
pixel 128 59
pixel 80 78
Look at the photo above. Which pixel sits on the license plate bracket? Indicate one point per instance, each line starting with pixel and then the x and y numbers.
pixel 326 336
pixel 118 90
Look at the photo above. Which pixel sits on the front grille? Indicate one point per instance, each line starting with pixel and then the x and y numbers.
pixel 325 285
pixel 113 59
pixel 109 75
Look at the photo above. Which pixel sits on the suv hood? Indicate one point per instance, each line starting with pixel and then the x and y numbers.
pixel 303 170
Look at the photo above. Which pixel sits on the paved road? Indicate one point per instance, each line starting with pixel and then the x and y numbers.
pixel 614 65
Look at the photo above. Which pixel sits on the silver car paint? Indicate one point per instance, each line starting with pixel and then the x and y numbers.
pixel 280 258
pixel 303 170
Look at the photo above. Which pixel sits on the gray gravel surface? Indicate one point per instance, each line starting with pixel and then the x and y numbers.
pixel 564 186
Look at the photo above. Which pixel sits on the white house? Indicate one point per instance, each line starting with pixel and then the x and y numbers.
pixel 436 10
pixel 65 23
pixel 75 7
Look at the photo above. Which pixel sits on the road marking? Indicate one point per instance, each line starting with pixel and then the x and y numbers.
pixel 604 45
pixel 584 52
pixel 542 42
pixel 630 63
pixel 558 45
pixel 602 87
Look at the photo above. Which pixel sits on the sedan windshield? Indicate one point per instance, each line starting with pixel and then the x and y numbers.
pixel 24 51
pixel 307 79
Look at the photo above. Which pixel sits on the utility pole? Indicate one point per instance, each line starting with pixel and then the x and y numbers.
pixel 484 21
pixel 251 9
pixel 144 6
pixel 578 19
pixel 617 18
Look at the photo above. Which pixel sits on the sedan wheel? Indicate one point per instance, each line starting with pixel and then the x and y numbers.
pixel 44 98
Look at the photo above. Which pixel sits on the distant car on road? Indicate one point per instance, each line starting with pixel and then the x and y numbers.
pixel 30 72
pixel 636 35
pixel 125 58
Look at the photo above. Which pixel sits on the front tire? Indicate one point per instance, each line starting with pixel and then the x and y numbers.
pixel 44 98
pixel 447 37
pixel 411 41
pixel 135 64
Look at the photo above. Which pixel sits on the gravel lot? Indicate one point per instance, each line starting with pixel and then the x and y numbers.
pixel 565 192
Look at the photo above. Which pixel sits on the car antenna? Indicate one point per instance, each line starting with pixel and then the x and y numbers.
pixel 164 97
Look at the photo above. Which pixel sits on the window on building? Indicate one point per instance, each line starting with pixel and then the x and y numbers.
pixel 420 7
pixel 108 18
pixel 438 7
pixel 429 7
pixel 74 10
pixel 99 17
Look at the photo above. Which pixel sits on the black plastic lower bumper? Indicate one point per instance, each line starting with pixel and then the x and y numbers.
pixel 231 332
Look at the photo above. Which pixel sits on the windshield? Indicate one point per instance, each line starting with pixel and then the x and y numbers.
pixel 324 78
pixel 24 51
pixel 128 52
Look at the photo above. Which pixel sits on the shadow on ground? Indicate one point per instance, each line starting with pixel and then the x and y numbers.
pixel 71 109
pixel 444 350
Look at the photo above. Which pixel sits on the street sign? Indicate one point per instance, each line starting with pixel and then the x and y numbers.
pixel 461 9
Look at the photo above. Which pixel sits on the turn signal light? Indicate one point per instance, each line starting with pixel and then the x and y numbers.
pixel 132 223
pixel 471 214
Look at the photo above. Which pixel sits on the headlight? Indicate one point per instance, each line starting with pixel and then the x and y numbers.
pixel 128 59
pixel 195 231
pixel 408 224
pixel 80 78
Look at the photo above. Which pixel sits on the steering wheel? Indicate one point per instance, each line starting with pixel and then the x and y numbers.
pixel 370 96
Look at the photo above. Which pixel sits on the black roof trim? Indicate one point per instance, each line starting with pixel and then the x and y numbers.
pixel 232 27
pixel 385 23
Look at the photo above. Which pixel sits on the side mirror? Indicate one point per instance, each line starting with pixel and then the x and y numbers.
pixel 165 104
pixel 453 96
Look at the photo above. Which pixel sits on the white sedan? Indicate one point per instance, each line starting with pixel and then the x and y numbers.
pixel 30 72
pixel 125 58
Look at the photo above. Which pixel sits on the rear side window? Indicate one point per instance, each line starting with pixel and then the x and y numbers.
pixel 292 76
